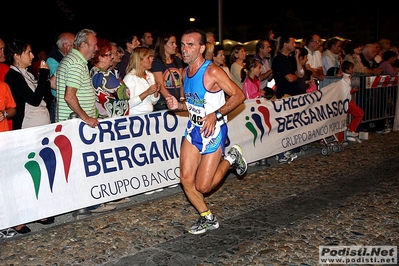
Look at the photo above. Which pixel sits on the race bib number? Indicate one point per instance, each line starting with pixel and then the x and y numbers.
pixel 196 113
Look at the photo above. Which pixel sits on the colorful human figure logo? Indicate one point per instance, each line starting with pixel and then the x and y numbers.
pixel 50 161
pixel 33 168
pixel 49 158
pixel 65 147
pixel 256 121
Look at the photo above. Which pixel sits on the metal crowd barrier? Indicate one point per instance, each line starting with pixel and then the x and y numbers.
pixel 377 95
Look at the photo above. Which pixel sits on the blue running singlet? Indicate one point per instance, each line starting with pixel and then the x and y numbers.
pixel 201 102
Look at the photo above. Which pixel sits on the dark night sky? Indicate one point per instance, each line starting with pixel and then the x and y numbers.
pixel 40 22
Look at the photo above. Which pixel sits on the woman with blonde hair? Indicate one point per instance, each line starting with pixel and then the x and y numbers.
pixel 144 92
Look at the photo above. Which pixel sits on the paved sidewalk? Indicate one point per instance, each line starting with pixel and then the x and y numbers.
pixel 276 215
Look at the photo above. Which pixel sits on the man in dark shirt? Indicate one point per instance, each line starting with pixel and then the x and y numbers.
pixel 287 69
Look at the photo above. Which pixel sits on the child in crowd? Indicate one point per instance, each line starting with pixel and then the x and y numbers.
pixel 250 81
pixel 354 110
pixel 251 87
pixel 310 81
pixel 307 83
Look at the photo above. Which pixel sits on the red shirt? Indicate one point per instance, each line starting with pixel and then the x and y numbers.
pixel 3 70
pixel 6 102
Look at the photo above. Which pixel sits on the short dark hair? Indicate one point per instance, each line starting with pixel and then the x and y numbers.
pixel 16 46
pixel 350 47
pixel 388 55
pixel 142 34
pixel 284 39
pixel 217 48
pixel 346 65
pixel 127 38
pixel 196 30
pixel 308 39
pixel 302 51
pixel 331 42
pixel 260 45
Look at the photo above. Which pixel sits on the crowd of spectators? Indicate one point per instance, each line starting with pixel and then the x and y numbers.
pixel 82 74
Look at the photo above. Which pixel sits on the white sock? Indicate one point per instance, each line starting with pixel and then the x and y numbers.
pixel 229 159
pixel 209 216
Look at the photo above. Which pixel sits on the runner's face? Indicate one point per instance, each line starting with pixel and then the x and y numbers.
pixel 191 48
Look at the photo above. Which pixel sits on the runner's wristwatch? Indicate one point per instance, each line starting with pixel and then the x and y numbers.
pixel 219 116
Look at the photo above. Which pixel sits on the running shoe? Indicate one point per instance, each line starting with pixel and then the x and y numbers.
pixel 293 156
pixel 8 233
pixel 240 164
pixel 384 131
pixel 288 157
pixel 351 134
pixel 204 224
pixel 284 160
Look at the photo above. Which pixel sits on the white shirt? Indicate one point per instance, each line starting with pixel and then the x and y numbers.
pixel 266 66
pixel 137 86
pixel 329 60
pixel 314 59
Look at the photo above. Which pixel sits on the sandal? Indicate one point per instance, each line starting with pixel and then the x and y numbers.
pixel 22 230
pixel 45 221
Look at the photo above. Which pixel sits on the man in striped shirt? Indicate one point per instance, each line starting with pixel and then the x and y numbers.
pixel 75 93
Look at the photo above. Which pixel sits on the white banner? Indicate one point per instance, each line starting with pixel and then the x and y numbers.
pixel 62 167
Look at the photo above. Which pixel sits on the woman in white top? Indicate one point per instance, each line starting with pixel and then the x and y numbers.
pixel 144 92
